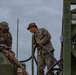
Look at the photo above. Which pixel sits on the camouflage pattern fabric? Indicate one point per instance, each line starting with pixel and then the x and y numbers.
pixel 7 39
pixel 43 58
pixel 5 35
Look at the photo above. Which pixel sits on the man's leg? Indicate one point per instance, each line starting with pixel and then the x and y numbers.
pixel 49 62
pixel 41 65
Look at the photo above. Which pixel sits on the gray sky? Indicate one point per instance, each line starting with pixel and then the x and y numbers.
pixel 45 13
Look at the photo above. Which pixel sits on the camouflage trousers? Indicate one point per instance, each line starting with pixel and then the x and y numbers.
pixel 43 61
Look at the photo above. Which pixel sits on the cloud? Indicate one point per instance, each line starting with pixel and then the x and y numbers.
pixel 4 13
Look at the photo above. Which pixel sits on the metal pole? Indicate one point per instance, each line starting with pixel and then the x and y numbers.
pixel 17 37
pixel 32 57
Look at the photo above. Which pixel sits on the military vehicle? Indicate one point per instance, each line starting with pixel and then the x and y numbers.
pixel 9 64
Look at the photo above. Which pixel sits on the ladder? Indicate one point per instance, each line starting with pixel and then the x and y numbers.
pixel 68 50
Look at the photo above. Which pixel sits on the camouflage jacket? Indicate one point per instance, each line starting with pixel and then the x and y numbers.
pixel 44 37
pixel 7 39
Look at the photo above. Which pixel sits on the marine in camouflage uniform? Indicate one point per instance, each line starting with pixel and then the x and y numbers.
pixel 6 37
pixel 43 37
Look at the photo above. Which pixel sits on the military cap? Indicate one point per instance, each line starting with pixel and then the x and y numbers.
pixel 31 25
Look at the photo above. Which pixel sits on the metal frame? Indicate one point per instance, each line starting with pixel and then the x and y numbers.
pixel 67 34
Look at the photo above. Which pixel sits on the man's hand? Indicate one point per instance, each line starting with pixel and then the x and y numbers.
pixel 38 42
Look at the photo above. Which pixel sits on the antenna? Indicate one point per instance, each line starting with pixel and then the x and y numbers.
pixel 17 37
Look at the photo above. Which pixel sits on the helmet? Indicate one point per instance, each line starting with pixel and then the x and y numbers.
pixel 31 25
pixel 4 25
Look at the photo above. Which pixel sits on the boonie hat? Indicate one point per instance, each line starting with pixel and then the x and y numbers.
pixel 31 25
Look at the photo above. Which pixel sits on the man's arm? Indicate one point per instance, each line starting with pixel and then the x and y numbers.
pixel 46 37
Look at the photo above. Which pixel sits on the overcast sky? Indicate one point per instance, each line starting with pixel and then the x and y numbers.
pixel 45 13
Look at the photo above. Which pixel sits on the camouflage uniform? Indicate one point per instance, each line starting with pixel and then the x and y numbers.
pixel 44 59
pixel 5 35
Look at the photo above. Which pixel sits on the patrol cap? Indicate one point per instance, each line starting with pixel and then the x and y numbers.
pixel 31 25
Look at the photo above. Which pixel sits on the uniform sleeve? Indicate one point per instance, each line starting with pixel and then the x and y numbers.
pixel 46 37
